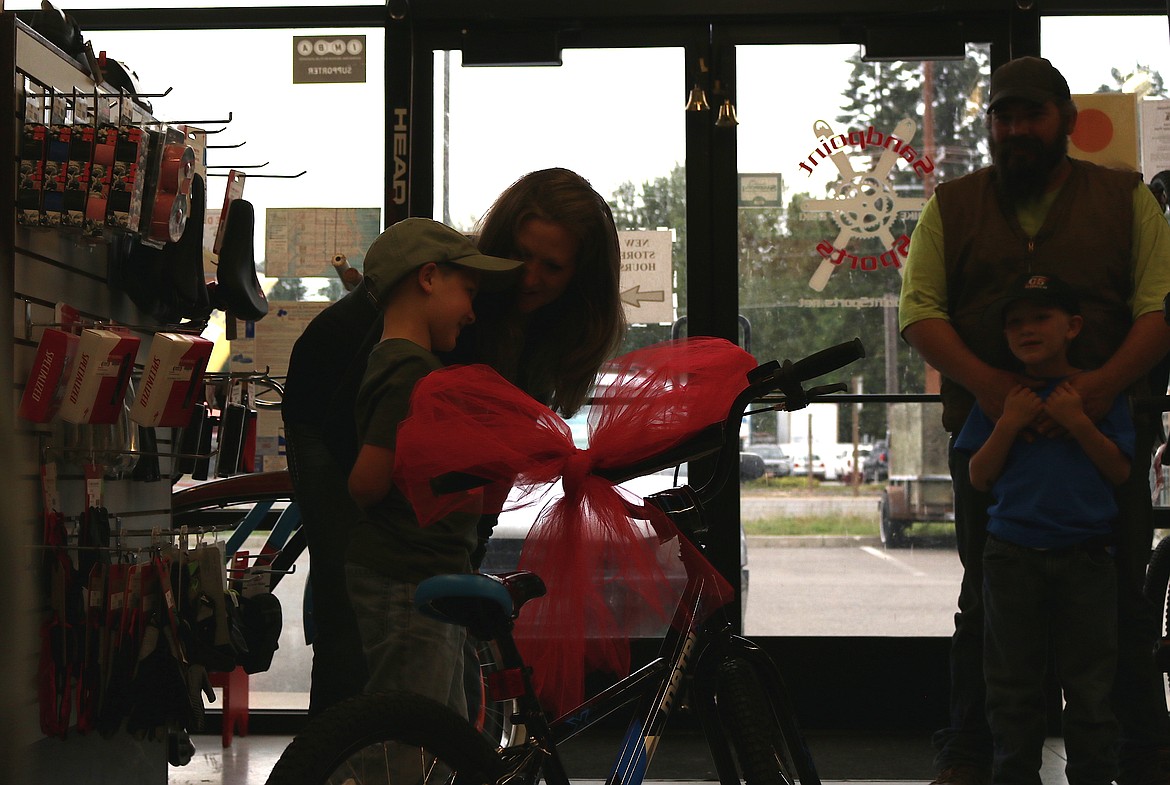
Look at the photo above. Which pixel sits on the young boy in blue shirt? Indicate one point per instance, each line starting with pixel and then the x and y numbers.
pixel 424 276
pixel 1049 578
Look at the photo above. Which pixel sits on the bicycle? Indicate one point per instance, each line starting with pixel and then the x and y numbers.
pixel 734 686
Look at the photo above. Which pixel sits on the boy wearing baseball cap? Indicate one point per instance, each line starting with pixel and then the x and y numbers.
pixel 424 276
pixel 1049 579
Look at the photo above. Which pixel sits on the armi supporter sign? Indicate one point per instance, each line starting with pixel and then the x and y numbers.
pixel 329 58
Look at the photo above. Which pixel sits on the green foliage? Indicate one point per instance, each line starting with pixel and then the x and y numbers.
pixel 1142 80
pixel 288 289
pixel 881 94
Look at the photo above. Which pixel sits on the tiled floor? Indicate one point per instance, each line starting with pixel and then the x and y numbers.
pixel 840 758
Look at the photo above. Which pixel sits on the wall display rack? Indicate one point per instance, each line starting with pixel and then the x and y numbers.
pixel 101 188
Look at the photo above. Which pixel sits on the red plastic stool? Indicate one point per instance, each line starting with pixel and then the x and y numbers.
pixel 235 702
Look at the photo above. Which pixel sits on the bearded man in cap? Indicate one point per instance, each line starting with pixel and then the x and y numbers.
pixel 1035 210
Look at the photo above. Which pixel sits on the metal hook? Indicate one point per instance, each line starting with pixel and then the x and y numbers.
pixel 225 146
pixel 270 176
pixel 151 95
pixel 186 328
pixel 238 166
pixel 201 122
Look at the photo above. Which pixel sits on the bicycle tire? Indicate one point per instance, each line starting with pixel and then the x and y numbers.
pixel 1157 591
pixel 767 744
pixel 360 739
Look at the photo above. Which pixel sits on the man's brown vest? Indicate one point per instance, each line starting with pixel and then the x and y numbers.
pixel 1086 241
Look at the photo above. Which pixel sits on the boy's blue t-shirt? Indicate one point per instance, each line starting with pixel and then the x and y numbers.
pixel 1050 495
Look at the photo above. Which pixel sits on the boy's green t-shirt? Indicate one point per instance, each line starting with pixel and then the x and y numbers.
pixel 388 537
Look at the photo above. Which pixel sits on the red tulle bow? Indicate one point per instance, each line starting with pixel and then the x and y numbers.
pixel 608 575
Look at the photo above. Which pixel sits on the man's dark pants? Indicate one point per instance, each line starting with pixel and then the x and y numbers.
pixel 327 515
pixel 1139 698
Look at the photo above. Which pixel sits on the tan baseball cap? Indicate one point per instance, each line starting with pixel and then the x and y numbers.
pixel 413 242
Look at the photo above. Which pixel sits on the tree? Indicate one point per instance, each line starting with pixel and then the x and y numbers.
pixel 288 289
pixel 882 93
pixel 1143 81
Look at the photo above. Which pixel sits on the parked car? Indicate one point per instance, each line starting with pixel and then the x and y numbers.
pixel 776 461
pixel 876 466
pixel 751 466
pixel 800 465
pixel 843 464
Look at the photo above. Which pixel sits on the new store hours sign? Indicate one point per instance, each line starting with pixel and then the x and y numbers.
pixel 647 276
pixel 333 58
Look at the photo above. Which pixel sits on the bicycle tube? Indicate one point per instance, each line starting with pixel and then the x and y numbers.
pixel 763 703
pixel 409 735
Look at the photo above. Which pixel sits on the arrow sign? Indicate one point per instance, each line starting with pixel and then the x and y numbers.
pixel 635 297
pixel 647 279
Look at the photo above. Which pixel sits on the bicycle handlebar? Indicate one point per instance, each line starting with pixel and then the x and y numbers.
pixel 827 360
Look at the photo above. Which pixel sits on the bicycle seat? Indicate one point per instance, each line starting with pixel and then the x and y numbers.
pixel 485 604
pixel 236 289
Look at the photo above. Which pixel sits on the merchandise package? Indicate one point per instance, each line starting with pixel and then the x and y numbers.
pixel 97 391
pixel 124 209
pixel 57 149
pixel 81 143
pixel 171 380
pixel 30 185
pixel 45 388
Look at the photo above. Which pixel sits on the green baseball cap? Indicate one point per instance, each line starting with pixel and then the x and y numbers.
pixel 1033 79
pixel 413 242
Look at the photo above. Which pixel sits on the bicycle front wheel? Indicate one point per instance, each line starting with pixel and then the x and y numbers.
pixel 768 747
pixel 389 739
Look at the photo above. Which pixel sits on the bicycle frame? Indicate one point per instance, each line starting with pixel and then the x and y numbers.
pixel 688 655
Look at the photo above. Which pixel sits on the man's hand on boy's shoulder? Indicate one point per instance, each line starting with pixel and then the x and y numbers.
pixel 1097 391
pixel 996 386
pixel 1095 395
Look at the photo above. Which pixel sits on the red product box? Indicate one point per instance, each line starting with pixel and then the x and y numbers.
pixel 97 391
pixel 54 361
pixel 172 380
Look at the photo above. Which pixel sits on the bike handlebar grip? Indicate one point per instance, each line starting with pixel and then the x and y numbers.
pixel 826 360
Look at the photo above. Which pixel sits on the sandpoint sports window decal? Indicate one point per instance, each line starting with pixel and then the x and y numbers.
pixel 863 204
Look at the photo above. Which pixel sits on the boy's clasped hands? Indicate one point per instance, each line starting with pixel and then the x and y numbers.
pixel 1025 411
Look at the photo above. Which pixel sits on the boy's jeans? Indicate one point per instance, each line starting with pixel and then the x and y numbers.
pixel 404 649
pixel 1061 602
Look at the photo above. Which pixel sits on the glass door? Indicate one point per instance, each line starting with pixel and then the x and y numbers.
pixel 833 172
